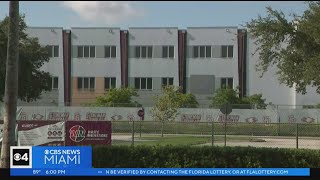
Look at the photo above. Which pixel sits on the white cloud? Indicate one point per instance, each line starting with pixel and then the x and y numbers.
pixel 106 12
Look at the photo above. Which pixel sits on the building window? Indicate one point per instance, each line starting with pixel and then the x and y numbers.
pixel 143 51
pixel 109 83
pixel 150 52
pixel 195 51
pixel 226 82
pixel 110 51
pixel 86 83
pixel 80 51
pixel 167 81
pixel 86 51
pixel 143 83
pixel 167 51
pixel 202 51
pixel 92 51
pixel 208 51
pixel 227 51
pixel 137 49
pixel 53 51
pixel 54 83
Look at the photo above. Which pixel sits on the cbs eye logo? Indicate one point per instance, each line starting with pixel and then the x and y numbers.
pixel 21 157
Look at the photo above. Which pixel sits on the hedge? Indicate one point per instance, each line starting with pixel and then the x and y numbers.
pixel 202 157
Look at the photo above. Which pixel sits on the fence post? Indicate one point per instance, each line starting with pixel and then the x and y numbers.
pixel 297 135
pixel 225 127
pixel 212 133
pixel 132 143
pixel 278 116
pixel 140 126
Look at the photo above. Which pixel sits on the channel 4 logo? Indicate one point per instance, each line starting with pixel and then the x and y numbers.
pixel 21 157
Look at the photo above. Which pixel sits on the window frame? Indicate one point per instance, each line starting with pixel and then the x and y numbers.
pixel 148 52
pixel 53 51
pixel 52 83
pixel 227 79
pixel 167 54
pixel 110 83
pixel 140 83
pixel 110 48
pixel 168 81
pixel 227 51
pixel 90 47
pixel 82 88
pixel 199 54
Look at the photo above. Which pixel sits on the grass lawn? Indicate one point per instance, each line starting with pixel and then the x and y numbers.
pixel 311 130
pixel 179 140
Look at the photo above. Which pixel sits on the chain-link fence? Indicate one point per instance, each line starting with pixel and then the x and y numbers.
pixel 277 135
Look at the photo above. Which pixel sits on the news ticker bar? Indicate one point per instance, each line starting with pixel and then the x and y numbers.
pixel 162 172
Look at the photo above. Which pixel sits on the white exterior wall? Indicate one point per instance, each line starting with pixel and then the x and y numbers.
pixel 155 67
pixel 220 67
pixel 51 36
pixel 270 86
pixel 96 67
pixel 311 98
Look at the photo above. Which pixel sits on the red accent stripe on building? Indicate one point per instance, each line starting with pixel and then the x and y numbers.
pixel 242 56
pixel 124 57
pixel 66 35
pixel 182 34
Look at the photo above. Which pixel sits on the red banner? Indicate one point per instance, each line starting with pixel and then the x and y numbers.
pixel 88 133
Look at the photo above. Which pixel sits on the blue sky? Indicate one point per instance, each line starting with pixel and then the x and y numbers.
pixel 126 14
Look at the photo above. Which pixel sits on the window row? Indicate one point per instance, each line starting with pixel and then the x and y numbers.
pixel 89 83
pixel 206 51
pixel 144 51
pixel 147 52
pixel 140 83
pixel 90 52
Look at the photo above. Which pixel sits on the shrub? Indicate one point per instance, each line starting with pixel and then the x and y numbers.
pixel 202 157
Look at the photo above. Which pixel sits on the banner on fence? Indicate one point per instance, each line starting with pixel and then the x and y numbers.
pixel 309 116
pixel 88 133
pixel 266 116
pixel 41 133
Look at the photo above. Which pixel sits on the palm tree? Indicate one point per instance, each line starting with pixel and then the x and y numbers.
pixel 11 85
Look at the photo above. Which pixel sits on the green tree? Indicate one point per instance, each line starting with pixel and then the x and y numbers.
pixel 231 96
pixel 32 81
pixel 11 84
pixel 117 97
pixel 223 96
pixel 291 43
pixel 188 100
pixel 255 99
pixel 166 106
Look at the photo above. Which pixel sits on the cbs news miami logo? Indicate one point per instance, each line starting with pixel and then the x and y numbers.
pixel 50 157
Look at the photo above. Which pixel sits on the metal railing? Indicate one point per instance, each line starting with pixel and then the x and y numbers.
pixel 276 135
